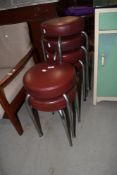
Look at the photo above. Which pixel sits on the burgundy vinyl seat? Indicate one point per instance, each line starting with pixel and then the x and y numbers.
pixel 51 86
pixel 52 81
pixel 64 26
pixel 54 104
pixel 69 43
pixel 68 57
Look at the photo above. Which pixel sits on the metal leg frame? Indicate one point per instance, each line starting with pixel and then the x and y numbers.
pixel 76 113
pixel 79 92
pixel 87 52
pixel 87 40
pixel 69 109
pixel 43 48
pixel 74 118
pixel 55 54
pixel 87 68
pixel 59 49
pixel 87 47
pixel 66 123
pixel 84 79
pixel 67 119
pixel 77 107
pixel 34 116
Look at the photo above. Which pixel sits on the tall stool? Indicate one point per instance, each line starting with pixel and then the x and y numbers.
pixel 52 87
pixel 63 39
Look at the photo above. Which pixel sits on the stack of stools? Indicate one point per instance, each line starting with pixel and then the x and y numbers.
pixel 51 86
pixel 63 40
pixel 87 13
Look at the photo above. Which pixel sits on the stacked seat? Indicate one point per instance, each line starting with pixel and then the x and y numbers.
pixel 87 13
pixel 55 84
pixel 52 87
pixel 63 39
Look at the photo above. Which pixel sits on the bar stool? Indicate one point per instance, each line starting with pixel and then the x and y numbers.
pixel 63 38
pixel 52 87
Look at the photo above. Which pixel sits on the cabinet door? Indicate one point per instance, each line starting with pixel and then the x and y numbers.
pixel 107 65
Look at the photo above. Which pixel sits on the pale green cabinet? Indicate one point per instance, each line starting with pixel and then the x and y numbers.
pixel 105 59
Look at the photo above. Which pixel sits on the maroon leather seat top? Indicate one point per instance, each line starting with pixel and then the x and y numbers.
pixel 49 80
pixel 62 26
pixel 67 43
pixel 68 57
pixel 53 104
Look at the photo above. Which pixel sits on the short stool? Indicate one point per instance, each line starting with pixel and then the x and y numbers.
pixel 63 38
pixel 52 87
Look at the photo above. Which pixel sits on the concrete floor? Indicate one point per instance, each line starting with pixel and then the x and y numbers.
pixel 94 151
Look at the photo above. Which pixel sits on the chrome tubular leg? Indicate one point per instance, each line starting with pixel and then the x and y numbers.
pixel 77 107
pixel 90 64
pixel 87 40
pixel 66 124
pixel 79 92
pixel 59 49
pixel 43 48
pixel 36 124
pixel 55 56
pixel 87 68
pixel 84 79
pixel 74 118
pixel 70 114
pixel 37 119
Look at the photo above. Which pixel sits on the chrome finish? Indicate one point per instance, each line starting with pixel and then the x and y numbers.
pixel 55 56
pixel 83 84
pixel 70 114
pixel 43 48
pixel 31 113
pixel 77 110
pixel 87 67
pixel 59 49
pixel 87 40
pixel 65 121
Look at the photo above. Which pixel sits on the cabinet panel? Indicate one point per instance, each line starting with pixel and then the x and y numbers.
pixel 108 21
pixel 107 65
pixel 105 61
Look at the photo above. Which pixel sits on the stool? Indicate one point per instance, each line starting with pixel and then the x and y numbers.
pixel 88 14
pixel 62 38
pixel 52 87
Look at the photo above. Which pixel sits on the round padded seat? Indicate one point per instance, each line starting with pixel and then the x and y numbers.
pixel 67 43
pixel 62 26
pixel 49 80
pixel 68 57
pixel 53 104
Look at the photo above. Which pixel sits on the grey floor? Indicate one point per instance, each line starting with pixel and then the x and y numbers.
pixel 94 151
